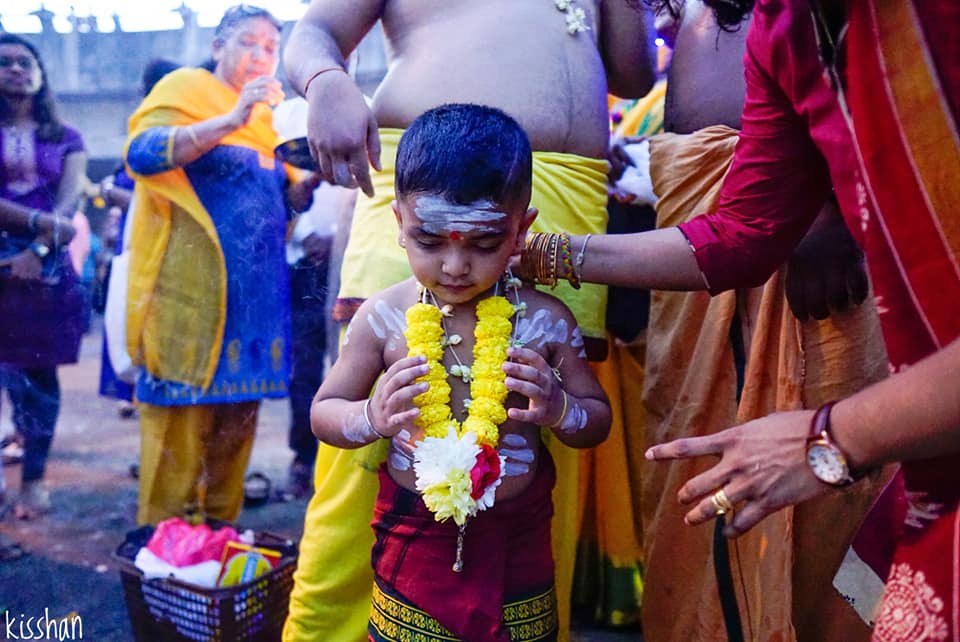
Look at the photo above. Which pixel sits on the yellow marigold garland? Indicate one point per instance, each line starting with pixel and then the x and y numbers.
pixel 488 390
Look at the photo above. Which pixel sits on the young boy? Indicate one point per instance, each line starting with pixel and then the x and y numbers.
pixel 467 444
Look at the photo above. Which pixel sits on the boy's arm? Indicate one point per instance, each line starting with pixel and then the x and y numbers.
pixel 336 414
pixel 563 391
pixel 344 413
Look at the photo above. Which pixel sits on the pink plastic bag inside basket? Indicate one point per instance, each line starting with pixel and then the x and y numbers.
pixel 181 544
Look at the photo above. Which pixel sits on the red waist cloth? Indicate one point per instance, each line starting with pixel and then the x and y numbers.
pixel 506 557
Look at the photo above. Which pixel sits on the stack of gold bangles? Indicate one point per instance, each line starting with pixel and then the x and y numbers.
pixel 548 257
pixel 721 502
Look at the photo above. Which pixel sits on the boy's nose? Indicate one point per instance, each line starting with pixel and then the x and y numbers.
pixel 455 265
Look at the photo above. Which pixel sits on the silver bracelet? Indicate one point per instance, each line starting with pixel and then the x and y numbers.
pixel 366 418
pixel 578 262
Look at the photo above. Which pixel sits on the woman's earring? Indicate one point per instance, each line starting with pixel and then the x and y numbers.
pixel 401 242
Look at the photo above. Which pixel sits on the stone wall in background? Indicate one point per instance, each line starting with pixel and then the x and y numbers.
pixel 96 76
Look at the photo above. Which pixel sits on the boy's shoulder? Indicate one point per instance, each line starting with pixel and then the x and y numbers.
pixel 401 295
pixel 540 300
pixel 546 320
pixel 384 313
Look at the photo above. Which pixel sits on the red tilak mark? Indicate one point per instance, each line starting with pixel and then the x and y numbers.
pixel 454 236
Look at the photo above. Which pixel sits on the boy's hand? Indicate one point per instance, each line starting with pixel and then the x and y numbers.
pixel 529 374
pixel 391 407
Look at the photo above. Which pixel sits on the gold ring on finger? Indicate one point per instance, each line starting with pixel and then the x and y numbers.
pixel 721 502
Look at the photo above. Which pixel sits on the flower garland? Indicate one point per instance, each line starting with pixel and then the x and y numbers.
pixel 457 466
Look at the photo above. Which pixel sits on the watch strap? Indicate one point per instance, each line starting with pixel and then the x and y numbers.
pixel 820 424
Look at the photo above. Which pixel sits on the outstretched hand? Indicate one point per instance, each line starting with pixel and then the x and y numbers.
pixel 762 469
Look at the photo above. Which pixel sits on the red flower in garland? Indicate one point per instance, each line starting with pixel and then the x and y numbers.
pixel 485 472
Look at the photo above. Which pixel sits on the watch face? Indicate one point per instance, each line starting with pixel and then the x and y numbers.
pixel 827 463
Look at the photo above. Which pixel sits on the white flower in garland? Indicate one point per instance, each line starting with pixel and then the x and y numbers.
pixel 448 476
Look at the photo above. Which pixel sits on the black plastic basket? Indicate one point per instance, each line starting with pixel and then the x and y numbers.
pixel 168 610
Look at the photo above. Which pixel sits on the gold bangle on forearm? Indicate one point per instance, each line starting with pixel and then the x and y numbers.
pixel 193 136
pixel 543 257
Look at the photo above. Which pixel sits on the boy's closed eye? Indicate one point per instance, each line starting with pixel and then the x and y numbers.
pixel 484 242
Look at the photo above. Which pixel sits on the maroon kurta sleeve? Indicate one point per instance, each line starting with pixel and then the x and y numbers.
pixel 778 180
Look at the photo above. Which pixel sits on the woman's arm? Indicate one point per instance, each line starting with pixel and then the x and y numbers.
pixel 660 259
pixel 71 184
pixel 23 220
pixel 912 415
pixel 774 189
pixel 162 148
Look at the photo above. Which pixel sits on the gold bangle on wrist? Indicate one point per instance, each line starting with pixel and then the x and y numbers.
pixel 563 413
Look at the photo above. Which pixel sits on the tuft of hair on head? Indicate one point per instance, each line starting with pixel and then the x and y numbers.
pixel 465 153
pixel 238 14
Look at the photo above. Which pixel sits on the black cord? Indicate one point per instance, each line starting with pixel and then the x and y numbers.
pixel 728 596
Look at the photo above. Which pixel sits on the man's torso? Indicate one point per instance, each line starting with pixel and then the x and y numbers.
pixel 517 56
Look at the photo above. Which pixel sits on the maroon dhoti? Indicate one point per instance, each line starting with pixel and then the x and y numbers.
pixel 505 590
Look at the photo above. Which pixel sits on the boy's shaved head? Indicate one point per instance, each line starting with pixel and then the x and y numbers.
pixel 465 153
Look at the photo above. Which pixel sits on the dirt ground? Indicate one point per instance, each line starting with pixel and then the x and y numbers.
pixel 70 568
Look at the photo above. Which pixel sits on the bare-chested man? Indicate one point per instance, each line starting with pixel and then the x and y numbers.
pixel 782 570
pixel 547 63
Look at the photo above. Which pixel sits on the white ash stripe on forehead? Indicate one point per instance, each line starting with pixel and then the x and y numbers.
pixel 438 215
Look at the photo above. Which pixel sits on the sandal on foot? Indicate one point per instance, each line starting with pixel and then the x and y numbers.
pixel 256 490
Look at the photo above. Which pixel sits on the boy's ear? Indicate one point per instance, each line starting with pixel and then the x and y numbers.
pixel 396 214
pixel 528 218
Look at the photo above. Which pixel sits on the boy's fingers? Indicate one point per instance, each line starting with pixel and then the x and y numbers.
pixel 521 371
pixel 525 388
pixel 400 419
pixel 524 355
pixel 523 416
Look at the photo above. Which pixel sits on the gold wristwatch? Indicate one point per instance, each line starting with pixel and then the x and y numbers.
pixel 827 462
